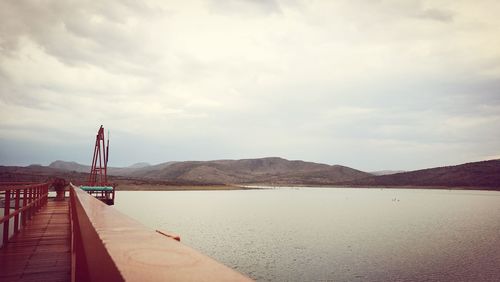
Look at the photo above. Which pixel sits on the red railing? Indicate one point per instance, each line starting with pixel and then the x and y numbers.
pixel 107 245
pixel 21 201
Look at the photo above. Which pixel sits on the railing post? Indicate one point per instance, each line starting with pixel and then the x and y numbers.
pixel 6 213
pixel 16 206
pixel 25 202
pixel 35 207
pixel 47 193
pixel 32 202
pixel 30 209
pixel 38 197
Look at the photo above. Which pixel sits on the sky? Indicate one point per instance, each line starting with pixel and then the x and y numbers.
pixel 368 84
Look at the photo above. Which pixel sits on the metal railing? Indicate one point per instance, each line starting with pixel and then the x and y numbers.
pixel 21 201
pixel 107 245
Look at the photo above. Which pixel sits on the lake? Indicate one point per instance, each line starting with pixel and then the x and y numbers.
pixel 333 234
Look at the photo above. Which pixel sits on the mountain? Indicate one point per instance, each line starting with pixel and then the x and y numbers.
pixel 152 167
pixel 264 170
pixel 38 173
pixel 484 174
pixel 139 165
pixel 119 171
pixel 271 171
pixel 70 166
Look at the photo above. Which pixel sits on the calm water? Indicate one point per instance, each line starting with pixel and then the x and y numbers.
pixel 318 234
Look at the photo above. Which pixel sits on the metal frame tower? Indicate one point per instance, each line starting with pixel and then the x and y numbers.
pixel 98 172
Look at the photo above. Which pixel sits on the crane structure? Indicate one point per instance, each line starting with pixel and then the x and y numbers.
pixel 99 170
pixel 97 184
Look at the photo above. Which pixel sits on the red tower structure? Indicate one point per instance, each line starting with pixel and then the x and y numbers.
pixel 99 170
pixel 98 185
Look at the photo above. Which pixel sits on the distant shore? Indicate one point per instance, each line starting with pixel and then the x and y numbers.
pixel 159 187
pixel 215 187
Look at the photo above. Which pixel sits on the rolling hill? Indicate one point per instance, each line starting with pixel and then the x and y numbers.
pixel 38 173
pixel 484 174
pixel 269 171
pixel 76 167
pixel 254 171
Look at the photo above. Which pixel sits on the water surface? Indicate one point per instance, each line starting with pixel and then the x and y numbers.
pixel 335 234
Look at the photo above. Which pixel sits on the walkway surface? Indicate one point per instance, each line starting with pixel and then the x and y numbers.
pixel 42 250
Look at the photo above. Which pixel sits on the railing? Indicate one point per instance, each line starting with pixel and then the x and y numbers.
pixel 21 202
pixel 107 245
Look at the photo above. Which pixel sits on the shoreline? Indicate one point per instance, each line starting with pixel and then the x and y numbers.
pixel 156 187
pixel 228 187
pixel 413 187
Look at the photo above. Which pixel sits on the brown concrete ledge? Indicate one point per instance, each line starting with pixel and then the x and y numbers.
pixel 110 246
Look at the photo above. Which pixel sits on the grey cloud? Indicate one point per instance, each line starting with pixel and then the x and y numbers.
pixel 77 32
pixel 250 78
pixel 246 7
pixel 435 14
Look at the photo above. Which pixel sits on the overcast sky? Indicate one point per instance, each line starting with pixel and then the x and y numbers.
pixel 363 83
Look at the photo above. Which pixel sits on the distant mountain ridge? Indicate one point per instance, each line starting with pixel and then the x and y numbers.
pixel 120 171
pixel 265 170
pixel 475 174
pixel 70 166
pixel 139 165
pixel 271 170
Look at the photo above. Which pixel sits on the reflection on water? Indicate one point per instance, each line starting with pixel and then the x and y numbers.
pixel 312 234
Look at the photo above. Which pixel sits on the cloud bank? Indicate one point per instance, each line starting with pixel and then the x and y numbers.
pixel 368 84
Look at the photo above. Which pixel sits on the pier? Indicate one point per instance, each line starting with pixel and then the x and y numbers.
pixel 80 238
pixel 42 250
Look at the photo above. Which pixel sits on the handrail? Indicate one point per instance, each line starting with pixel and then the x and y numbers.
pixel 14 183
pixel 28 199
pixel 110 246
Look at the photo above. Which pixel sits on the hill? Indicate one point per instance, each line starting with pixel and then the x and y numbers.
pixel 69 166
pixel 484 174
pixel 255 171
pixel 119 171
pixel 270 171
pixel 246 171
pixel 38 173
